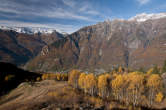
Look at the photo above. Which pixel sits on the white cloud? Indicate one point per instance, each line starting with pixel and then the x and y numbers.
pixel 69 3
pixel 142 2
pixel 21 24
pixel 30 10
pixel 83 8
pixel 93 12
pixel 88 10
pixel 61 13
pixel 52 11
pixel 57 13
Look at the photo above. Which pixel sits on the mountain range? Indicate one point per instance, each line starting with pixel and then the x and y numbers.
pixel 29 30
pixel 18 48
pixel 137 42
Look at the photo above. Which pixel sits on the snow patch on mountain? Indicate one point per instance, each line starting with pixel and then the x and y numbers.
pixel 144 17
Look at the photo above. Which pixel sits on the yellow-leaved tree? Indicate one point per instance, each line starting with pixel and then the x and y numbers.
pixel 91 84
pixel 135 87
pixel 103 85
pixel 82 81
pixel 120 70
pixel 154 84
pixel 118 85
pixel 150 71
pixel 73 78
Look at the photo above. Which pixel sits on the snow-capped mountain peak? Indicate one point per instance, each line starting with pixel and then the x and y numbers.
pixel 29 30
pixel 143 17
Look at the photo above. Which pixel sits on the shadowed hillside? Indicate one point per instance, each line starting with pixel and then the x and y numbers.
pixel 11 77
pixel 18 48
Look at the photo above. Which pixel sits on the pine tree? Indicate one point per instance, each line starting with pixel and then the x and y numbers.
pixel 141 69
pixel 154 70
pixel 164 67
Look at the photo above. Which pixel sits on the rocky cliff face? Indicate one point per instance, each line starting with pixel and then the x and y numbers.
pixel 106 45
pixel 18 48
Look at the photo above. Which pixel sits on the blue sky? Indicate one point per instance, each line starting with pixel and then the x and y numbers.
pixel 70 15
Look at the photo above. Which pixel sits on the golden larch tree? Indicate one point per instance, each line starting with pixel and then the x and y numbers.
pixel 73 78
pixel 82 81
pixel 91 84
pixel 154 84
pixel 103 85
pixel 118 86
pixel 136 87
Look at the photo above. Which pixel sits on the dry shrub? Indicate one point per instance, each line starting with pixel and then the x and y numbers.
pixel 65 95
pixel 130 107
pixel 38 79
pixel 111 106
pixel 159 97
pixel 53 94
pixel 9 77
pixel 67 88
pixel 55 76
pixel 122 107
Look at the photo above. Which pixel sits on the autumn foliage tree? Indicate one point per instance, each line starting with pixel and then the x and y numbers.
pixel 54 76
pixel 117 86
pixel 135 87
pixel 91 84
pixel 154 85
pixel 82 81
pixel 103 85
pixel 73 78
pixel 131 88
pixel 120 70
